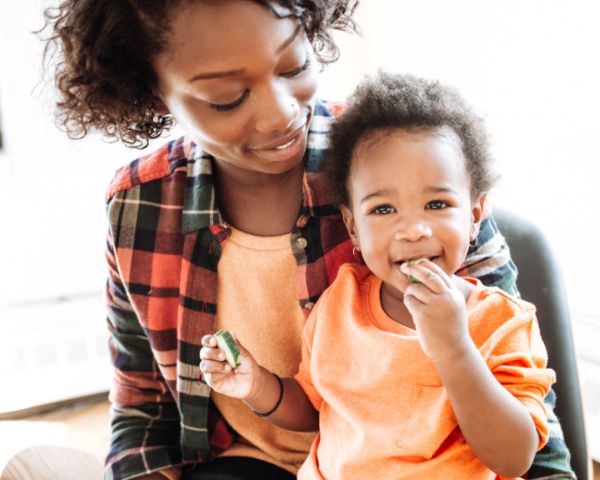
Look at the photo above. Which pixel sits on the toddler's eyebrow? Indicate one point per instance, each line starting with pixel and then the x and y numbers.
pixel 378 193
pixel 239 71
pixel 440 189
pixel 428 189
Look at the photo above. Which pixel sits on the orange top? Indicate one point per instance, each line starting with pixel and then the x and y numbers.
pixel 248 306
pixel 384 412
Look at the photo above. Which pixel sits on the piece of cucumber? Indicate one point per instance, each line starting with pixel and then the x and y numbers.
pixel 410 278
pixel 231 349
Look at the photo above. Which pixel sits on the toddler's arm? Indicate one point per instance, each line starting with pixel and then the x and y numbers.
pixel 496 425
pixel 259 388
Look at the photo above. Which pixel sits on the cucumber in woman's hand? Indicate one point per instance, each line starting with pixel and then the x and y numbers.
pixel 231 349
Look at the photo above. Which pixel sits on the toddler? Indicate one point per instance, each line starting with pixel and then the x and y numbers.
pixel 408 370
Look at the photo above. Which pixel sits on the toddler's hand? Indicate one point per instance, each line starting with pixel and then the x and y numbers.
pixel 240 382
pixel 438 309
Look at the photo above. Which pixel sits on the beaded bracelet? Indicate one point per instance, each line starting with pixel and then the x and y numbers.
pixel 266 414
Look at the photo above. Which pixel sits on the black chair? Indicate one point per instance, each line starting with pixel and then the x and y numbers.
pixel 540 282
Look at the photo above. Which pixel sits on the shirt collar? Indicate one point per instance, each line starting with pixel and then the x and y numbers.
pixel 201 210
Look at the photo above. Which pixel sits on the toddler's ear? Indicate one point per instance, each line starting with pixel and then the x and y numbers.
pixel 478 210
pixel 350 224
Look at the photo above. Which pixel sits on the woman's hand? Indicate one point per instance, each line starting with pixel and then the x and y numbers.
pixel 241 382
pixel 438 308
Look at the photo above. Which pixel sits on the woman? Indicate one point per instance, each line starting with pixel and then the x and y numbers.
pixel 230 227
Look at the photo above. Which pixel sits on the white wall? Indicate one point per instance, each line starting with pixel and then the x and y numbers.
pixel 529 65
pixel 51 188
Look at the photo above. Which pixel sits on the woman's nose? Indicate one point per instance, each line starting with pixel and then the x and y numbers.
pixel 277 109
pixel 412 231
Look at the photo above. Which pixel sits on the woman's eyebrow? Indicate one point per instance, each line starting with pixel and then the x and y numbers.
pixel 239 71
pixel 211 75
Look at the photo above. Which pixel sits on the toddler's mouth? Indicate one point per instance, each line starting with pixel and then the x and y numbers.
pixel 416 259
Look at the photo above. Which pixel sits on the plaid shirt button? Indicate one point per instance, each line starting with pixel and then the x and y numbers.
pixel 302 221
pixel 301 242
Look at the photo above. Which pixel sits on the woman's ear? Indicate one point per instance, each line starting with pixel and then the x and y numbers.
pixel 350 225
pixel 160 106
pixel 478 209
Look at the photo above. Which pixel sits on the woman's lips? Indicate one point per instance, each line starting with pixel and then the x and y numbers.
pixel 284 148
pixel 284 151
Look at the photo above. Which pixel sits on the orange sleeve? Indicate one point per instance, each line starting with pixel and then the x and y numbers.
pixel 518 361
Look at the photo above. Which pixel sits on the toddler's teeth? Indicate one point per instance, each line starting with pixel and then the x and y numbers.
pixel 417 260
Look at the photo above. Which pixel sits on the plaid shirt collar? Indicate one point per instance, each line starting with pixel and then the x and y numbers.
pixel 200 208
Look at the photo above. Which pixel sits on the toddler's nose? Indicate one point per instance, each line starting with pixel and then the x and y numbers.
pixel 412 232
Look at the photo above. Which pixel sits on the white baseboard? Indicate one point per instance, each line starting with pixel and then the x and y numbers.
pixel 53 350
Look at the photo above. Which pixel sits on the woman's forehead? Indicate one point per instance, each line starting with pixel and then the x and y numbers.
pixel 219 36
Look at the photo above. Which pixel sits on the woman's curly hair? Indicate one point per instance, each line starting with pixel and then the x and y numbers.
pixel 389 101
pixel 103 51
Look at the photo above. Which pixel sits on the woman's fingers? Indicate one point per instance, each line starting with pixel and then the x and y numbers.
pixel 210 353
pixel 211 366
pixel 208 341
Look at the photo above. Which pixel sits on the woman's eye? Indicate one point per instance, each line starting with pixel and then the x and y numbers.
pixel 383 210
pixel 436 205
pixel 229 106
pixel 298 71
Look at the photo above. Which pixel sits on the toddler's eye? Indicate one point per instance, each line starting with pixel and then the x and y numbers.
pixel 436 205
pixel 383 210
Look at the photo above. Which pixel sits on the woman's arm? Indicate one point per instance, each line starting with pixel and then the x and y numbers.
pixel 144 417
pixel 295 412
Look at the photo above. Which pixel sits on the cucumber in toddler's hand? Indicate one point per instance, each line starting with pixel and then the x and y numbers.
pixel 410 278
pixel 231 349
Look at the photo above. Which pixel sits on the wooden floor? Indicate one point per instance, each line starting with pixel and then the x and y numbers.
pixel 84 427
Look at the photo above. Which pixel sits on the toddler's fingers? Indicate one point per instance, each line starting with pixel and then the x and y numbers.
pixel 418 294
pixel 425 276
pixel 435 268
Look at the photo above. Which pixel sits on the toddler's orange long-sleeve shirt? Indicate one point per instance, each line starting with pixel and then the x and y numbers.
pixel 384 412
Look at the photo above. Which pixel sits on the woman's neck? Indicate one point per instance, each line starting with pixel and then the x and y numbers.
pixel 261 205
